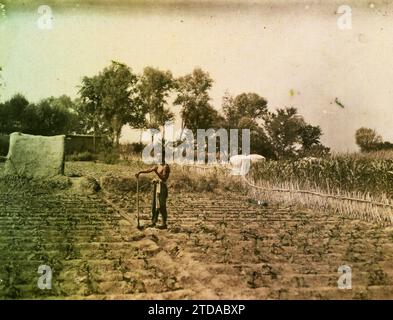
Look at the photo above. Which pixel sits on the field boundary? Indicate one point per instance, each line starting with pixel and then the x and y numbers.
pixel 323 195
pixel 364 208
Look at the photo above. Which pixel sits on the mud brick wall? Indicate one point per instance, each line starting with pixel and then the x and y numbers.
pixel 35 156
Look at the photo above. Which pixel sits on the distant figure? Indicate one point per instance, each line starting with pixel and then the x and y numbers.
pixel 160 192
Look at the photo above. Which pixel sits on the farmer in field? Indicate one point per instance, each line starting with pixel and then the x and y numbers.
pixel 160 192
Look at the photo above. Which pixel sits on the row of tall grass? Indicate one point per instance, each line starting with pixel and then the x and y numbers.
pixel 369 174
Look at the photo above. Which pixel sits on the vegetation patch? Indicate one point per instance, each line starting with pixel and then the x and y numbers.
pixel 344 173
pixel 12 182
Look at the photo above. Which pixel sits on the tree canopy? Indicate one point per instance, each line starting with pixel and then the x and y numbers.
pixel 154 89
pixel 249 105
pixel 116 96
pixel 193 97
pixel 369 140
pixel 50 116
pixel 276 134
pixel 110 100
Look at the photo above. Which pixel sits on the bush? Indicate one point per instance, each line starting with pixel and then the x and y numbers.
pixel 111 157
pixel 128 149
pixel 81 156
pixel 137 147
pixel 191 181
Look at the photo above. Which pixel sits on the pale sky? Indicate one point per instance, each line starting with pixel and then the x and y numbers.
pixel 267 47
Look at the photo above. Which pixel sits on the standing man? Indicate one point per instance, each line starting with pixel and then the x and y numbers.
pixel 160 192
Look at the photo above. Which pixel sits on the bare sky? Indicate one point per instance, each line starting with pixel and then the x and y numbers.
pixel 290 52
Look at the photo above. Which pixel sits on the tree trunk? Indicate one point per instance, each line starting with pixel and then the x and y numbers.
pixel 117 136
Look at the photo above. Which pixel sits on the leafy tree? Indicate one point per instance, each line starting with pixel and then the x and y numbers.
pixel 247 111
pixel 291 136
pixel 367 139
pixel 203 116
pixel 310 137
pixel 51 116
pixel 109 101
pixel 88 106
pixel 11 114
pixel 154 88
pixel 249 105
pixel 193 97
pixel 260 143
pixel 283 128
pixel 65 105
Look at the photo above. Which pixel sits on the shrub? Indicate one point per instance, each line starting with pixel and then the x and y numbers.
pixel 125 151
pixel 109 157
pixel 81 156
pixel 137 147
pixel 128 149
pixel 210 181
